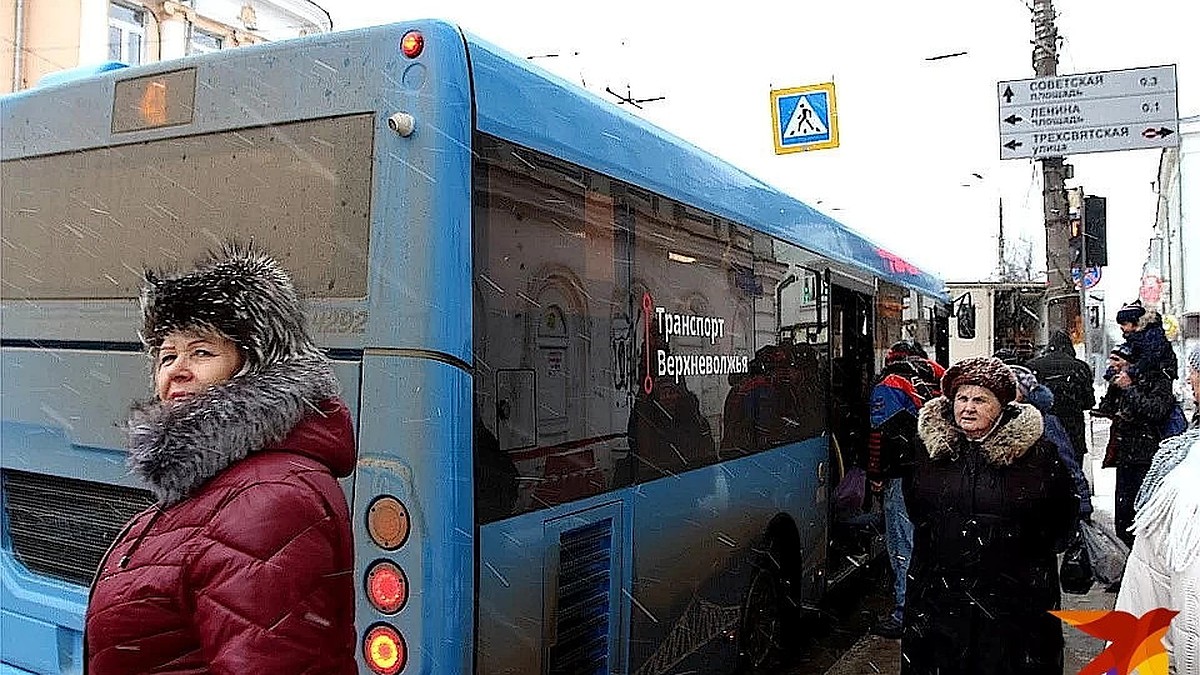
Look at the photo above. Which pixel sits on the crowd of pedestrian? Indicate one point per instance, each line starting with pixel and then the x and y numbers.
pixel 979 469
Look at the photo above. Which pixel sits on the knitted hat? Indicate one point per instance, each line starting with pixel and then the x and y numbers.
pixel 1026 380
pixel 990 373
pixel 904 349
pixel 1131 312
pixel 239 292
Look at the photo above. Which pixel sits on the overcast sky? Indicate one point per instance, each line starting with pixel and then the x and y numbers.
pixel 912 131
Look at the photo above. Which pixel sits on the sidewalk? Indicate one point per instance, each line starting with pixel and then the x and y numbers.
pixel 1081 648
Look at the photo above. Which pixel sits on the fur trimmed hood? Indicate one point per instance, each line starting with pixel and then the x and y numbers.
pixel 177 448
pixel 1020 426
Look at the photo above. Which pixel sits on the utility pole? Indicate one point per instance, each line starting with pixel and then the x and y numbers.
pixel 1003 265
pixel 1062 302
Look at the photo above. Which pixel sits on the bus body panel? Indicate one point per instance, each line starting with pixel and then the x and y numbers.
pixel 415 446
pixel 697 536
pixel 517 599
pixel 419 250
pixel 700 535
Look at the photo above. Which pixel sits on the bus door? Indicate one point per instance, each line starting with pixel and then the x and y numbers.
pixel 852 365
pixel 852 360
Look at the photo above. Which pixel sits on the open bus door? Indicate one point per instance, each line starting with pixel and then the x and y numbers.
pixel 854 535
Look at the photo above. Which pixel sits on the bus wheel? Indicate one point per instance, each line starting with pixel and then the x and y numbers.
pixel 763 622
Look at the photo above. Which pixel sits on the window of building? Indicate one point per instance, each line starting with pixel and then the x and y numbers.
pixel 126 33
pixel 201 41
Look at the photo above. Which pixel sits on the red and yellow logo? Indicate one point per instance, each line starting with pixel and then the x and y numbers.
pixel 1135 643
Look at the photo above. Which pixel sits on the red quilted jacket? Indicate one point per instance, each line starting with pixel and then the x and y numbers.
pixel 251 573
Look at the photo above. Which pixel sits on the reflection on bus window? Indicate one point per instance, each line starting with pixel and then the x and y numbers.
pixel 622 337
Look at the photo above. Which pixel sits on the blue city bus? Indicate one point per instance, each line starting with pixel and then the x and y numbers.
pixel 604 383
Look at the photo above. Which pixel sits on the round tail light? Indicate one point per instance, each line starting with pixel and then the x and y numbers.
pixel 387 523
pixel 412 44
pixel 387 587
pixel 384 650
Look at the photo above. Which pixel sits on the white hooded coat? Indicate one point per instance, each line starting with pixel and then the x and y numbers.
pixel 1164 566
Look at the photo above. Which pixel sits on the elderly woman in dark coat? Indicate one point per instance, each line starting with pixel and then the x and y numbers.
pixel 991 504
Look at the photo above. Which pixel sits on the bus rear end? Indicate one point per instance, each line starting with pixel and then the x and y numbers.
pixel 304 148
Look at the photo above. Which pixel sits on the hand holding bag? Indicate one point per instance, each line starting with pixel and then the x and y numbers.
pixel 1075 571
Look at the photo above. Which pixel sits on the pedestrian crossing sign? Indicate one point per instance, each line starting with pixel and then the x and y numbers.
pixel 805 118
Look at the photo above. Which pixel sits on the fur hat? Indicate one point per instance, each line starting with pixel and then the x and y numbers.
pixel 987 372
pixel 1131 312
pixel 241 293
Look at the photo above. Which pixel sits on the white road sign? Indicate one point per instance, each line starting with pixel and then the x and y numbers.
pixel 1088 112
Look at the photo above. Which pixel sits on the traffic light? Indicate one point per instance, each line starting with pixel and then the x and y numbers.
pixel 1096 226
pixel 1075 240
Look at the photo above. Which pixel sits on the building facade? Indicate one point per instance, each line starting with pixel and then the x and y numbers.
pixel 39 37
pixel 1171 272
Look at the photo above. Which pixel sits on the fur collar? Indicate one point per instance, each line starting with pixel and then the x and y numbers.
pixel 1020 426
pixel 1148 319
pixel 176 449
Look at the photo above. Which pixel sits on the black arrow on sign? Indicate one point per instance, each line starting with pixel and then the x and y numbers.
pixel 1161 132
pixel 1008 94
pixel 1013 145
pixel 1013 119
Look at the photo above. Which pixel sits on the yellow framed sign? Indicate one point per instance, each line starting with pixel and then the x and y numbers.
pixel 805 118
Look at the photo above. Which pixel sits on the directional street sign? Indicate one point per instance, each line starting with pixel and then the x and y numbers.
pixel 805 118
pixel 1089 112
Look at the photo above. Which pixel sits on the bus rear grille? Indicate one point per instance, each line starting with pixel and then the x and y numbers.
pixel 583 601
pixel 61 527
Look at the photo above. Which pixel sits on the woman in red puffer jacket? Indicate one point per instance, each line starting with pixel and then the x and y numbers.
pixel 245 564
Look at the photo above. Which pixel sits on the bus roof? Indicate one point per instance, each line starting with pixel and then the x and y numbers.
pixel 522 103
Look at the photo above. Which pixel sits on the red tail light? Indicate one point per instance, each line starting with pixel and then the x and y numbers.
pixel 384 650
pixel 412 44
pixel 387 587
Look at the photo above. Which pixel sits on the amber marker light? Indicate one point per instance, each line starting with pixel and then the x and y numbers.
pixel 412 44
pixel 384 650
pixel 153 105
pixel 387 587
pixel 388 522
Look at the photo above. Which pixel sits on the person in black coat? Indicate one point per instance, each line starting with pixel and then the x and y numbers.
pixel 1071 382
pixel 991 506
pixel 1139 406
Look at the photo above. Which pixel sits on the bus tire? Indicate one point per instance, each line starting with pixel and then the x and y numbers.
pixel 766 617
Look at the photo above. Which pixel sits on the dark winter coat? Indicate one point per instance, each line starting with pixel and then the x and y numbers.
pixel 1141 411
pixel 1071 381
pixel 246 564
pixel 1042 398
pixel 989 517
pixel 1153 350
